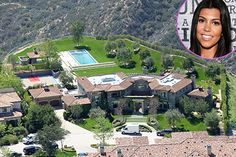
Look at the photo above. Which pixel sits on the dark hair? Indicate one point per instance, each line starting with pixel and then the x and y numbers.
pixel 224 44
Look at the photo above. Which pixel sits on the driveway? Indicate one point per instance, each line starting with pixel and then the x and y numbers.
pixel 78 137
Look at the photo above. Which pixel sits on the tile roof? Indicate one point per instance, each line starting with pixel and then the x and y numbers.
pixel 182 144
pixel 87 85
pixel 199 92
pixel 33 55
pixel 42 93
pixel 71 100
pixel 7 98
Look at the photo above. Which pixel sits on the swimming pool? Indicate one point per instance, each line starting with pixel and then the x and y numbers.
pixel 82 56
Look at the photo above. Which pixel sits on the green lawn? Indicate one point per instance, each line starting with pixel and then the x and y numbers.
pixel 88 124
pixel 60 153
pixel 194 125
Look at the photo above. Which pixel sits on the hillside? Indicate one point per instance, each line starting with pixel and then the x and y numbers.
pixel 26 21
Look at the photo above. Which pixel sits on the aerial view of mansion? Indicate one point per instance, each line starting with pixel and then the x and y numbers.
pixel 139 92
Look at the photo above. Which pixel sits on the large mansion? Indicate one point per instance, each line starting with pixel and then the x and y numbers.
pixel 138 92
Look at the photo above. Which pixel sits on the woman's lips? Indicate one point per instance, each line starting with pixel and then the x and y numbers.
pixel 206 37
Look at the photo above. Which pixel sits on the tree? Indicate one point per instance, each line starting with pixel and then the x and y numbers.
pixel 66 79
pixel 173 116
pixel 212 120
pixel 110 45
pixel 212 70
pixel 167 61
pixel 51 54
pixel 120 43
pixel 153 105
pixel 103 129
pixel 49 135
pixel 96 112
pixel 77 29
pixel 39 116
pixel 76 111
pixel 5 152
pixel 201 106
pixel 2 130
pixel 186 105
pixel 55 65
pixel 144 54
pixel 188 63
pixel 149 63
pixel 124 55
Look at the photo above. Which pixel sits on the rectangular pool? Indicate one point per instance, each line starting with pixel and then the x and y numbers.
pixel 82 56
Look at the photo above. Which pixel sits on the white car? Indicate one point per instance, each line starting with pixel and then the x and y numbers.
pixel 30 139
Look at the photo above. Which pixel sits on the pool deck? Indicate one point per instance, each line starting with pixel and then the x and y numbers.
pixel 68 60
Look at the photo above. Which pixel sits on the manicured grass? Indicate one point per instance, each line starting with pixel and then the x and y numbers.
pixel 107 70
pixel 88 124
pixel 194 125
pixel 60 153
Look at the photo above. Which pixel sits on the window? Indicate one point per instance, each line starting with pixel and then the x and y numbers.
pixel 4 110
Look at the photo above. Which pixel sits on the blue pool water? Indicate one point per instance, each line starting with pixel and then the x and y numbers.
pixel 83 57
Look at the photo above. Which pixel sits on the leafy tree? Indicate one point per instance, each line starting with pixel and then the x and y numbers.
pixel 213 70
pixel 173 116
pixel 77 29
pixel 49 135
pixel 120 43
pixel 135 45
pixel 12 59
pixel 8 79
pixel 76 111
pixel 110 45
pixel 66 79
pixel 188 63
pixel 103 129
pixel 167 61
pixel 153 106
pixel 40 115
pixel 2 130
pixel 212 120
pixel 51 54
pixel 5 152
pixel 124 55
pixel 149 63
pixel 96 112
pixel 186 105
pixel 201 106
pixel 144 54
pixel 55 65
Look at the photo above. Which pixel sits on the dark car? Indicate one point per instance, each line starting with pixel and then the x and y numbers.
pixel 54 145
pixel 164 132
pixel 30 150
pixel 15 154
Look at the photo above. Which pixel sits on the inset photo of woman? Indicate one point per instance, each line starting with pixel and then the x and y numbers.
pixel 207 28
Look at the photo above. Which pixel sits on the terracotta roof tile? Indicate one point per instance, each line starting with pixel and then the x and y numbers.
pixel 87 85
pixel 41 93
pixel 33 55
pixel 7 98
pixel 199 93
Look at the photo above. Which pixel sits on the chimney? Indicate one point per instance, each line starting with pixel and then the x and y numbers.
pixel 201 89
pixel 119 153
pixel 35 51
pixel 102 150
pixel 46 88
pixel 193 78
pixel 209 150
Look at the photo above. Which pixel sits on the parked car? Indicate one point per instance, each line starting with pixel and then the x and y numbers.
pixel 30 139
pixel 163 132
pixel 29 150
pixel 130 129
pixel 15 154
pixel 54 145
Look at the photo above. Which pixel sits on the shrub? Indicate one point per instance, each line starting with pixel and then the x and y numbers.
pixel 151 121
pixel 119 121
pixel 8 140
pixel 111 55
pixel 83 47
pixel 129 65
pixel 144 128
pixel 66 115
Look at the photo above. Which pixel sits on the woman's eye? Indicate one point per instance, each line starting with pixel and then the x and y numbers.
pixel 200 20
pixel 216 23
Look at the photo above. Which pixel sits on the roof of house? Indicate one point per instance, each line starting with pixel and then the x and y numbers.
pixel 45 92
pixel 171 82
pixel 33 55
pixel 71 100
pixel 199 92
pixel 182 144
pixel 7 98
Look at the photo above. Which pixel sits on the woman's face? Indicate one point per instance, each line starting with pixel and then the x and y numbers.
pixel 209 28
